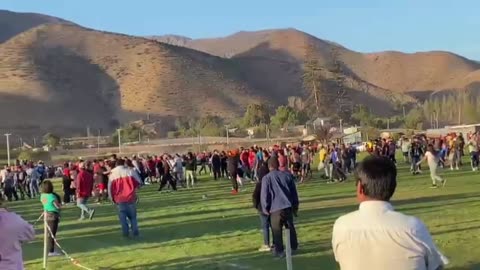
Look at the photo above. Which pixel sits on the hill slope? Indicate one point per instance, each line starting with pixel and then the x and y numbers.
pixel 67 76
pixel 395 71
pixel 13 23
pixel 55 75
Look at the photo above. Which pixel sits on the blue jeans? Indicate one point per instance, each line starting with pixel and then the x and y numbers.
pixel 34 189
pixel 82 204
pixel 265 222
pixel 126 212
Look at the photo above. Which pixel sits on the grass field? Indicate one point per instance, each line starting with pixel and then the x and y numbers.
pixel 184 231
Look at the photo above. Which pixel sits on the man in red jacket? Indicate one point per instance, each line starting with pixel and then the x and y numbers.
pixel 122 187
pixel 84 184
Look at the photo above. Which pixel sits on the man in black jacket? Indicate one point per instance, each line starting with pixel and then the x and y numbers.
pixel 264 219
pixel 279 199
pixel 216 165
pixel 232 167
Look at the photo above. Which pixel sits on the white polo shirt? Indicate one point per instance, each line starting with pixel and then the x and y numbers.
pixel 375 237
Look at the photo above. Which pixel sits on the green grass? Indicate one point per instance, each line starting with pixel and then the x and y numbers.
pixel 183 231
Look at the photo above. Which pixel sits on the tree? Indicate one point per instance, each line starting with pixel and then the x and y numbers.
pixel 256 115
pixel 414 119
pixel 342 100
pixel 30 155
pixel 284 116
pixel 129 133
pixel 323 134
pixel 51 140
pixel 313 81
pixel 364 116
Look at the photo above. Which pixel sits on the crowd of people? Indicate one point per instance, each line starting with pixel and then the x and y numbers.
pixel 275 171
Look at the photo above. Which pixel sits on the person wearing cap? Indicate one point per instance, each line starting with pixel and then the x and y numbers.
pixel 84 187
pixel 279 200
pixel 376 237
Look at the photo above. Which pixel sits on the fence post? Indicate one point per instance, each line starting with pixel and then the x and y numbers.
pixel 45 240
pixel 289 250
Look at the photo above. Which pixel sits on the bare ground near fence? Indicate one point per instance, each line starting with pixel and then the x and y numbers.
pixel 155 147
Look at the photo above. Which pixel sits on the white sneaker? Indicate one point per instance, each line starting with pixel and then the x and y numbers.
pixel 457 168
pixel 265 248
pixel 54 254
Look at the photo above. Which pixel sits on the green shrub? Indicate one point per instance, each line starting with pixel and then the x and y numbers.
pixel 35 155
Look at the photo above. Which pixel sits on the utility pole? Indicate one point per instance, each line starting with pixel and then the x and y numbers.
pixel 388 123
pixel 98 141
pixel 403 108
pixel 227 127
pixel 34 142
pixel 8 147
pixel 119 140
pixel 341 126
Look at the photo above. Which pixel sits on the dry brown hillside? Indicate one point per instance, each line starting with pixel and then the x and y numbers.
pixel 67 76
pixel 394 71
pixel 55 75
pixel 12 23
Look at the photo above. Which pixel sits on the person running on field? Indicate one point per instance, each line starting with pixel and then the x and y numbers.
pixel 256 199
pixel 415 153
pixel 432 159
pixel 34 179
pixel 454 155
pixel 190 170
pixel 223 166
pixel 473 150
pixel 21 180
pixel 232 166
pixel 216 165
pixel 84 187
pixel 167 175
pixel 306 159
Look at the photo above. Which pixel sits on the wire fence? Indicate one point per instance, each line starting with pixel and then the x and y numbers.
pixel 55 240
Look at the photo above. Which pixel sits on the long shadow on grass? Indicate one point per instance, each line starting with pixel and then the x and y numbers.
pixel 310 256
pixel 474 266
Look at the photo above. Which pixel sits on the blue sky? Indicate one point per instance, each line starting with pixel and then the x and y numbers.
pixel 361 25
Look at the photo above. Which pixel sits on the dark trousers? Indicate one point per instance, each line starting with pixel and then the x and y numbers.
pixel 223 170
pixel 52 221
pixel 203 168
pixel 234 181
pixel 474 156
pixel 265 223
pixel 67 194
pixel 10 192
pixel 168 179
pixel 216 172
pixel 280 219
pixel 23 190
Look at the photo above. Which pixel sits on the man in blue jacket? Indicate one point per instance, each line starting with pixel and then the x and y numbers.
pixel 279 199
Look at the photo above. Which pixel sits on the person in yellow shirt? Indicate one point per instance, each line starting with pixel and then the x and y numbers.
pixel 322 155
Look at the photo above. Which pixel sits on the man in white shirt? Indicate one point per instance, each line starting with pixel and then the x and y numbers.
pixel 375 237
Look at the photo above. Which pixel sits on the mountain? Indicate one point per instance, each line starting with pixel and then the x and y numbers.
pixel 12 23
pixel 64 77
pixel 396 71
pixel 58 76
